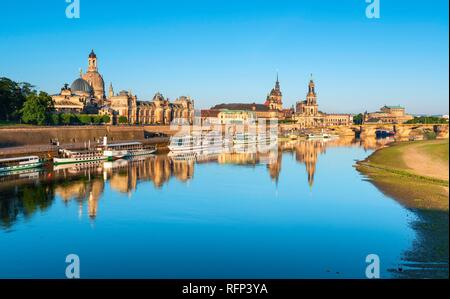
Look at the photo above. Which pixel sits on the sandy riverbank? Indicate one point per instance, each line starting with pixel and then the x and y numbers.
pixel 414 173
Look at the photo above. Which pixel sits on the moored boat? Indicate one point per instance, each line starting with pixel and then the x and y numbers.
pixel 19 163
pixel 211 141
pixel 79 157
pixel 321 135
pixel 116 151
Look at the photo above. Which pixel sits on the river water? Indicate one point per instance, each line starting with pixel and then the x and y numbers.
pixel 298 211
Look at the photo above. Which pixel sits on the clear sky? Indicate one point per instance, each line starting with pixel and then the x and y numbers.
pixel 230 51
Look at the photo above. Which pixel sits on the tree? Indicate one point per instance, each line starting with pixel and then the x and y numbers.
pixel 55 119
pixel 36 108
pixel 123 120
pixel 12 98
pixel 427 120
pixel 84 119
pixel 66 118
pixel 358 119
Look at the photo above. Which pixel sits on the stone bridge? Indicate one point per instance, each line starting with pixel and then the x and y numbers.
pixel 401 130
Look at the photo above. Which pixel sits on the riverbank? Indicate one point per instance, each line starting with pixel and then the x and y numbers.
pixel 414 173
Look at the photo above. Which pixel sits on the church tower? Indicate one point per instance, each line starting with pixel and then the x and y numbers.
pixel 111 91
pixel 92 62
pixel 274 99
pixel 94 78
pixel 311 97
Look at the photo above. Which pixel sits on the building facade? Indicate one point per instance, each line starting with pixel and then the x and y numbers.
pixel 244 112
pixel 227 117
pixel 387 115
pixel 159 111
pixel 87 95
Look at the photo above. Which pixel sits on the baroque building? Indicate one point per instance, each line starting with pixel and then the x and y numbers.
pixel 158 111
pixel 387 115
pixel 308 114
pixel 87 95
pixel 245 112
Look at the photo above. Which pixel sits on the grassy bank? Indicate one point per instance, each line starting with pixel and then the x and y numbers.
pixel 414 173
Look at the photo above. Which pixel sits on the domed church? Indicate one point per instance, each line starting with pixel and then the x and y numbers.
pixel 86 93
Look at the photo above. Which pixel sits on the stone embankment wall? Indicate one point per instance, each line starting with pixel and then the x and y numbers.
pixel 22 136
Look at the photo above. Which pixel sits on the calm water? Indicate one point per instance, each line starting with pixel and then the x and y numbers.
pixel 300 212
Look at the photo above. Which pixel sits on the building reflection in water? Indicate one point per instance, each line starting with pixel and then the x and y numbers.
pixel 23 194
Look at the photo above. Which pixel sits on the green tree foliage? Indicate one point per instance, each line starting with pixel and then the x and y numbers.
pixel 84 119
pixel 430 135
pixel 97 119
pixel 427 120
pixel 106 119
pixel 123 120
pixel 12 98
pixel 67 118
pixel 37 108
pixel 55 119
pixel 358 119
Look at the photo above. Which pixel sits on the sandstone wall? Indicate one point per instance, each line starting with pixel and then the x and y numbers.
pixel 20 136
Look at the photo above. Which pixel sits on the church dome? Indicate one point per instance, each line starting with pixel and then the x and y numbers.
pixel 81 85
pixel 95 80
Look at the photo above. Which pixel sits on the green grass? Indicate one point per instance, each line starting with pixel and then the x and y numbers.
pixel 387 170
pixel 392 156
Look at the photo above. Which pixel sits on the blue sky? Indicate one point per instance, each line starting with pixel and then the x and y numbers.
pixel 230 51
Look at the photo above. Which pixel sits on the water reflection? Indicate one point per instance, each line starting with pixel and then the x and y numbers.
pixel 21 195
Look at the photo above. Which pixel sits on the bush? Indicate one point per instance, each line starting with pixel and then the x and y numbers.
pixel 430 135
pixel 123 120
pixel 106 119
pixel 97 119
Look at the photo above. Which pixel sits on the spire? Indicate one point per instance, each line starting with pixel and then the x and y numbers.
pixel 277 83
pixel 81 72
pixel 111 90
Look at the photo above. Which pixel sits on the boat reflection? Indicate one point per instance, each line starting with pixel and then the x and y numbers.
pixel 21 195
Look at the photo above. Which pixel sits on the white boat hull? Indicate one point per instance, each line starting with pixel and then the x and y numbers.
pixel 59 161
